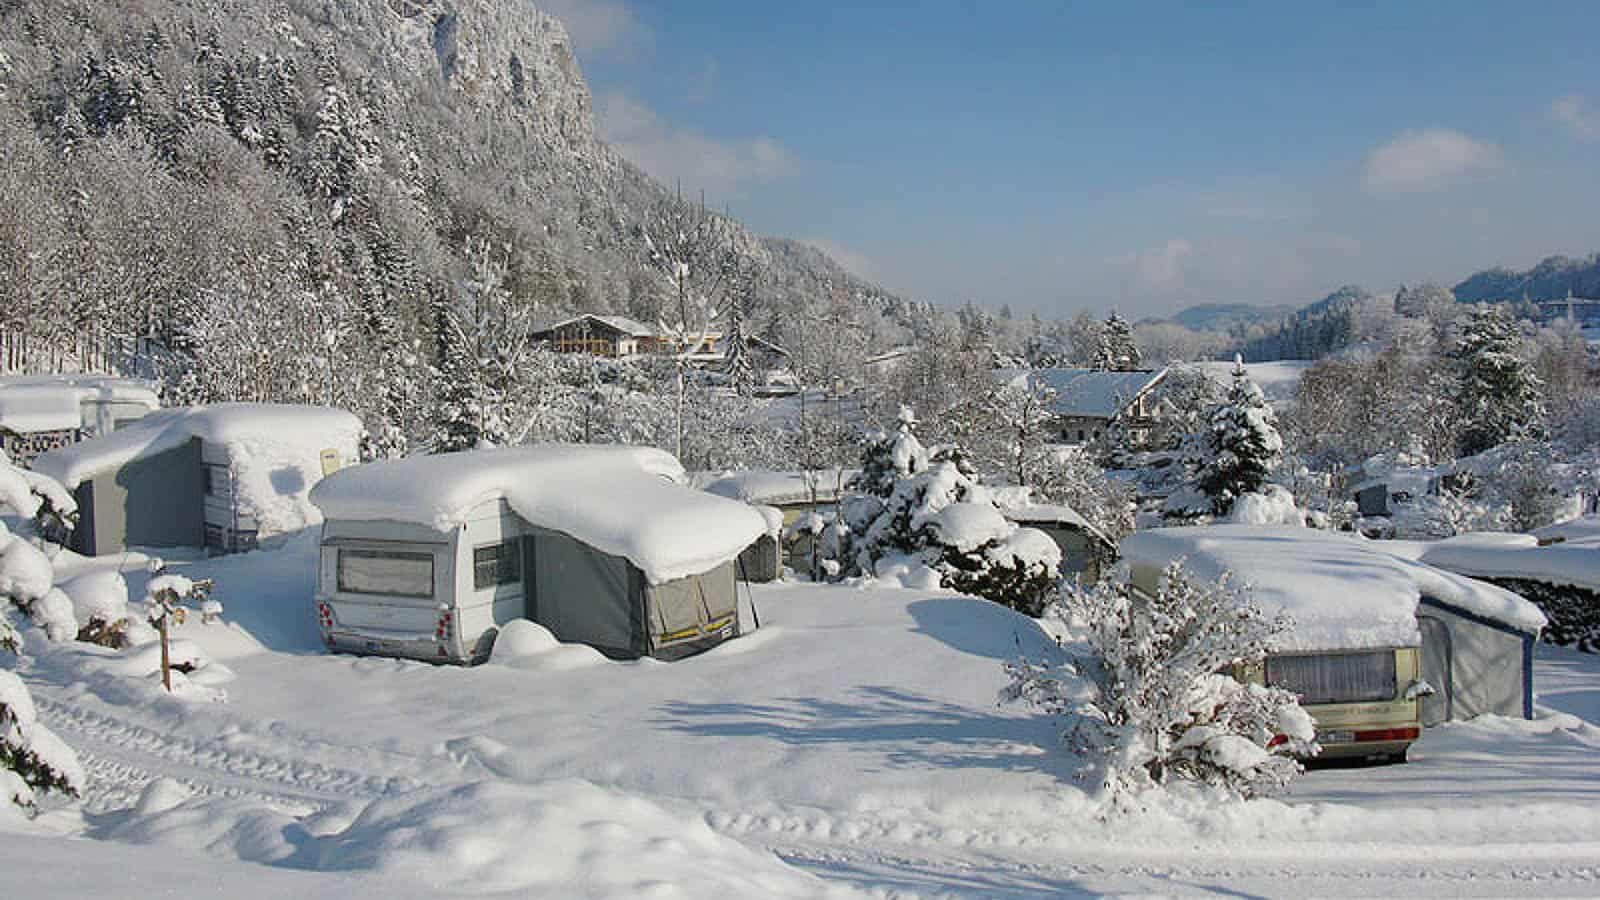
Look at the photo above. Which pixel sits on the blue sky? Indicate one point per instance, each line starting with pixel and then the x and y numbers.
pixel 1063 156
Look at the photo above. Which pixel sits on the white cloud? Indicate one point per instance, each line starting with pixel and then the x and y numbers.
pixel 1159 270
pixel 599 25
pixel 1576 113
pixel 684 156
pixel 1428 159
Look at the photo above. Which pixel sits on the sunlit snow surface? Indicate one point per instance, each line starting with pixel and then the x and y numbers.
pixel 856 736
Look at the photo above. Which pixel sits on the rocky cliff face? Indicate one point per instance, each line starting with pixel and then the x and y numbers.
pixel 500 53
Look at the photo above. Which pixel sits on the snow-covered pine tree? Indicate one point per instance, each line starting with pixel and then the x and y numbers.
pixel 736 363
pixel 1499 394
pixel 1240 446
pixel 458 412
pixel 913 508
pixel 889 457
pixel 1116 351
pixel 1153 695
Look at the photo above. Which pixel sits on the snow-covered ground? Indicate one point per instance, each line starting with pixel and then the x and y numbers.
pixel 1278 379
pixel 854 743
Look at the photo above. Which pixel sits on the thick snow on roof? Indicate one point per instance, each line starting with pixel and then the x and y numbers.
pixel 1343 591
pixel 33 403
pixel 625 501
pixel 1086 392
pixel 274 453
pixel 778 488
pixel 630 327
pixel 1047 514
pixel 1585 529
pixel 1515 556
pixel 310 428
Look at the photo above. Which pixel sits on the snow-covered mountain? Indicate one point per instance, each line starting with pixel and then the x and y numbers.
pixel 373 141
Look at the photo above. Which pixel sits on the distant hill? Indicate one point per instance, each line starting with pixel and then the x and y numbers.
pixel 1551 279
pixel 1323 327
pixel 1225 317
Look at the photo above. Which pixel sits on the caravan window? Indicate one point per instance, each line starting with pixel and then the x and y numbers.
pixel 1335 677
pixel 496 564
pixel 386 572
pixel 219 481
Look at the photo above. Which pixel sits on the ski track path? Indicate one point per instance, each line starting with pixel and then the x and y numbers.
pixel 299 774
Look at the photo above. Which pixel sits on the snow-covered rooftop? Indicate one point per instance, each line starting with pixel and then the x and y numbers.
pixel 280 425
pixel 34 403
pixel 630 327
pixel 1343 591
pixel 1048 514
pixel 779 488
pixel 1574 564
pixel 625 501
pixel 1086 392
pixel 1585 529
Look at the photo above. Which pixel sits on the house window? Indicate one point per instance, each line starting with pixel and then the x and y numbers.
pixel 386 572
pixel 1335 677
pixel 1080 435
pixel 496 564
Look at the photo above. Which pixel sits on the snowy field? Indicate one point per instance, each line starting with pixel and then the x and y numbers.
pixel 851 746
pixel 1278 379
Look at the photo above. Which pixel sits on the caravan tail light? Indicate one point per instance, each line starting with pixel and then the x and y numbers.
pixel 442 632
pixel 324 616
pixel 1410 733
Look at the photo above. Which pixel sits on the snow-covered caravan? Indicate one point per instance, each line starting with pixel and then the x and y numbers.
pixel 1085 551
pixel 1560 575
pixel 42 412
pixel 792 494
pixel 1371 628
pixel 222 477
pixel 426 557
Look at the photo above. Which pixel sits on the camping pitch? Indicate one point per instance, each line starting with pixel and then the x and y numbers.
pixel 427 557
pixel 223 476
pixel 1379 643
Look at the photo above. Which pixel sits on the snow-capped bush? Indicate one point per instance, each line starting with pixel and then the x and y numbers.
pixel 32 759
pixel 46 507
pixel 99 607
pixel 1272 505
pixel 914 511
pixel 26 579
pixel 1153 695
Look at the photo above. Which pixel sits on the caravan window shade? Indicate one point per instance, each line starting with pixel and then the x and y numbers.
pixel 386 572
pixel 1335 677
pixel 496 564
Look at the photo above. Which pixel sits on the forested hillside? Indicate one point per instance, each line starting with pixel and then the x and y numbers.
pixel 1553 278
pixel 296 189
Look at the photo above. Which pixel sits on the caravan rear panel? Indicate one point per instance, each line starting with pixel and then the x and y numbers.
pixel 387 597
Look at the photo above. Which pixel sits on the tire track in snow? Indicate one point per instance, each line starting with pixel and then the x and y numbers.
pixel 926 861
pixel 983 875
pixel 122 757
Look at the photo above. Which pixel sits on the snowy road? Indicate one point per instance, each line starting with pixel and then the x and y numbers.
pixel 856 737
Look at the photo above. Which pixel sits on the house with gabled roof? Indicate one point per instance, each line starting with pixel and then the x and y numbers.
pixel 1085 402
pixel 615 337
